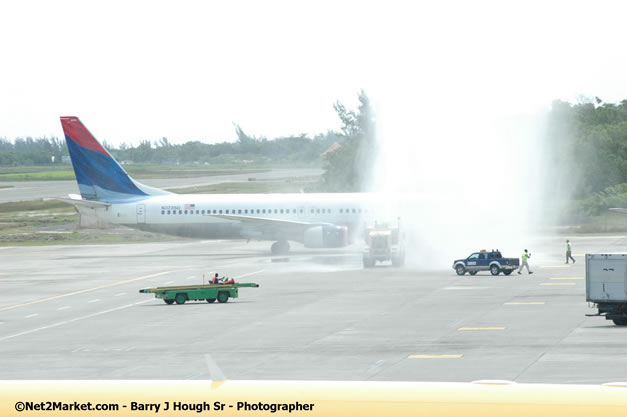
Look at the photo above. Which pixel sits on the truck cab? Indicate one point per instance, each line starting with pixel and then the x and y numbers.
pixel 384 243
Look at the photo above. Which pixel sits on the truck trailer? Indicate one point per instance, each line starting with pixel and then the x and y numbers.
pixel 606 285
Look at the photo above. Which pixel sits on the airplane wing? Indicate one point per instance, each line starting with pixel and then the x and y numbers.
pixel 261 222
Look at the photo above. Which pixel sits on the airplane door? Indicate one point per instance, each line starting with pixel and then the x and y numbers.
pixel 141 213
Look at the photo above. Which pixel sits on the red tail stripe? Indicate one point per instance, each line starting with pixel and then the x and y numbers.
pixel 74 129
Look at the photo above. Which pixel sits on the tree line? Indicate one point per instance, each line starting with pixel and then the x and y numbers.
pixel 587 147
pixel 585 153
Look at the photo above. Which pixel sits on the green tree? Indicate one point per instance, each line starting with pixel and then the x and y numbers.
pixel 349 168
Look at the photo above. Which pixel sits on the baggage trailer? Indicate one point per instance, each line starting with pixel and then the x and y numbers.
pixel 606 284
pixel 207 292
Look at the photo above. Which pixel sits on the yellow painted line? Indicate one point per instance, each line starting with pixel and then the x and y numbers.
pixel 453 356
pixel 525 303
pixel 84 291
pixel 131 348
pixel 558 283
pixel 567 278
pixel 480 328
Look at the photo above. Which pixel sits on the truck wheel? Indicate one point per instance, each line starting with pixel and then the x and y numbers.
pixel 223 297
pixel 620 322
pixel 180 298
pixel 472 272
pixel 168 301
pixel 509 271
pixel 210 300
pixel 495 270
pixel 460 269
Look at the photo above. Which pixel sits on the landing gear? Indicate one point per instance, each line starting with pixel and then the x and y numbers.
pixel 282 247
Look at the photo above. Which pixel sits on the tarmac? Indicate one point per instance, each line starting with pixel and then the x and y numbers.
pixel 74 312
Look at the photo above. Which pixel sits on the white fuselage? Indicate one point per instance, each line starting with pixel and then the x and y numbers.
pixel 204 215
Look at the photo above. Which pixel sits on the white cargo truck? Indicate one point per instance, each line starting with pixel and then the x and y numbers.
pixel 606 285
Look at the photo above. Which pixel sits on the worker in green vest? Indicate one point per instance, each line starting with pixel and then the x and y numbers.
pixel 525 257
pixel 569 248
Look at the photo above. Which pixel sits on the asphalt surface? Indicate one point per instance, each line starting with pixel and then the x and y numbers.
pixel 33 190
pixel 74 312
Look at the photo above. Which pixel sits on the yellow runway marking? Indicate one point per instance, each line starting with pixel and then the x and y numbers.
pixel 558 283
pixel 454 356
pixel 480 328
pixel 84 291
pixel 567 278
pixel 525 303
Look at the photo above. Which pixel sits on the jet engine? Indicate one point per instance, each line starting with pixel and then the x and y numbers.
pixel 327 236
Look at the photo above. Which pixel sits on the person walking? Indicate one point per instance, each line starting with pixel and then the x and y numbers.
pixel 569 249
pixel 525 257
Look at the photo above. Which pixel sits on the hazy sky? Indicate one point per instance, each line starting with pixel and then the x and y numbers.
pixel 186 70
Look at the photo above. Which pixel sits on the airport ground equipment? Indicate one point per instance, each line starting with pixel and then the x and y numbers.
pixel 208 292
pixel 492 261
pixel 606 284
pixel 384 243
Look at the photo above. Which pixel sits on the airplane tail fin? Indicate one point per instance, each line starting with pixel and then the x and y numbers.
pixel 98 174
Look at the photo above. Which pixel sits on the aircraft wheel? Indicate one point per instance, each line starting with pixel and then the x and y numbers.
pixel 281 247
pixel 223 297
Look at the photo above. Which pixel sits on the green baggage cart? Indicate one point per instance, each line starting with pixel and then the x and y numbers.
pixel 208 292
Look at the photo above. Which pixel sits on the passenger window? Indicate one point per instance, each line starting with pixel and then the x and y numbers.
pixel 162 211
pixel 226 212
pixel 482 256
pixel 180 211
pixel 263 211
pixel 220 211
pixel 168 211
pixel 281 211
pixel 317 211
pixel 341 211
pixel 246 211
pixel 214 211
pixel 276 211
pixel 202 212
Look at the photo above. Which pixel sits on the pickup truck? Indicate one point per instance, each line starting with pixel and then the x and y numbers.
pixel 486 261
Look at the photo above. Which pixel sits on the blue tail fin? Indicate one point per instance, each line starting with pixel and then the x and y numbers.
pixel 98 174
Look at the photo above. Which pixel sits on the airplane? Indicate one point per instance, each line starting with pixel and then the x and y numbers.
pixel 109 194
